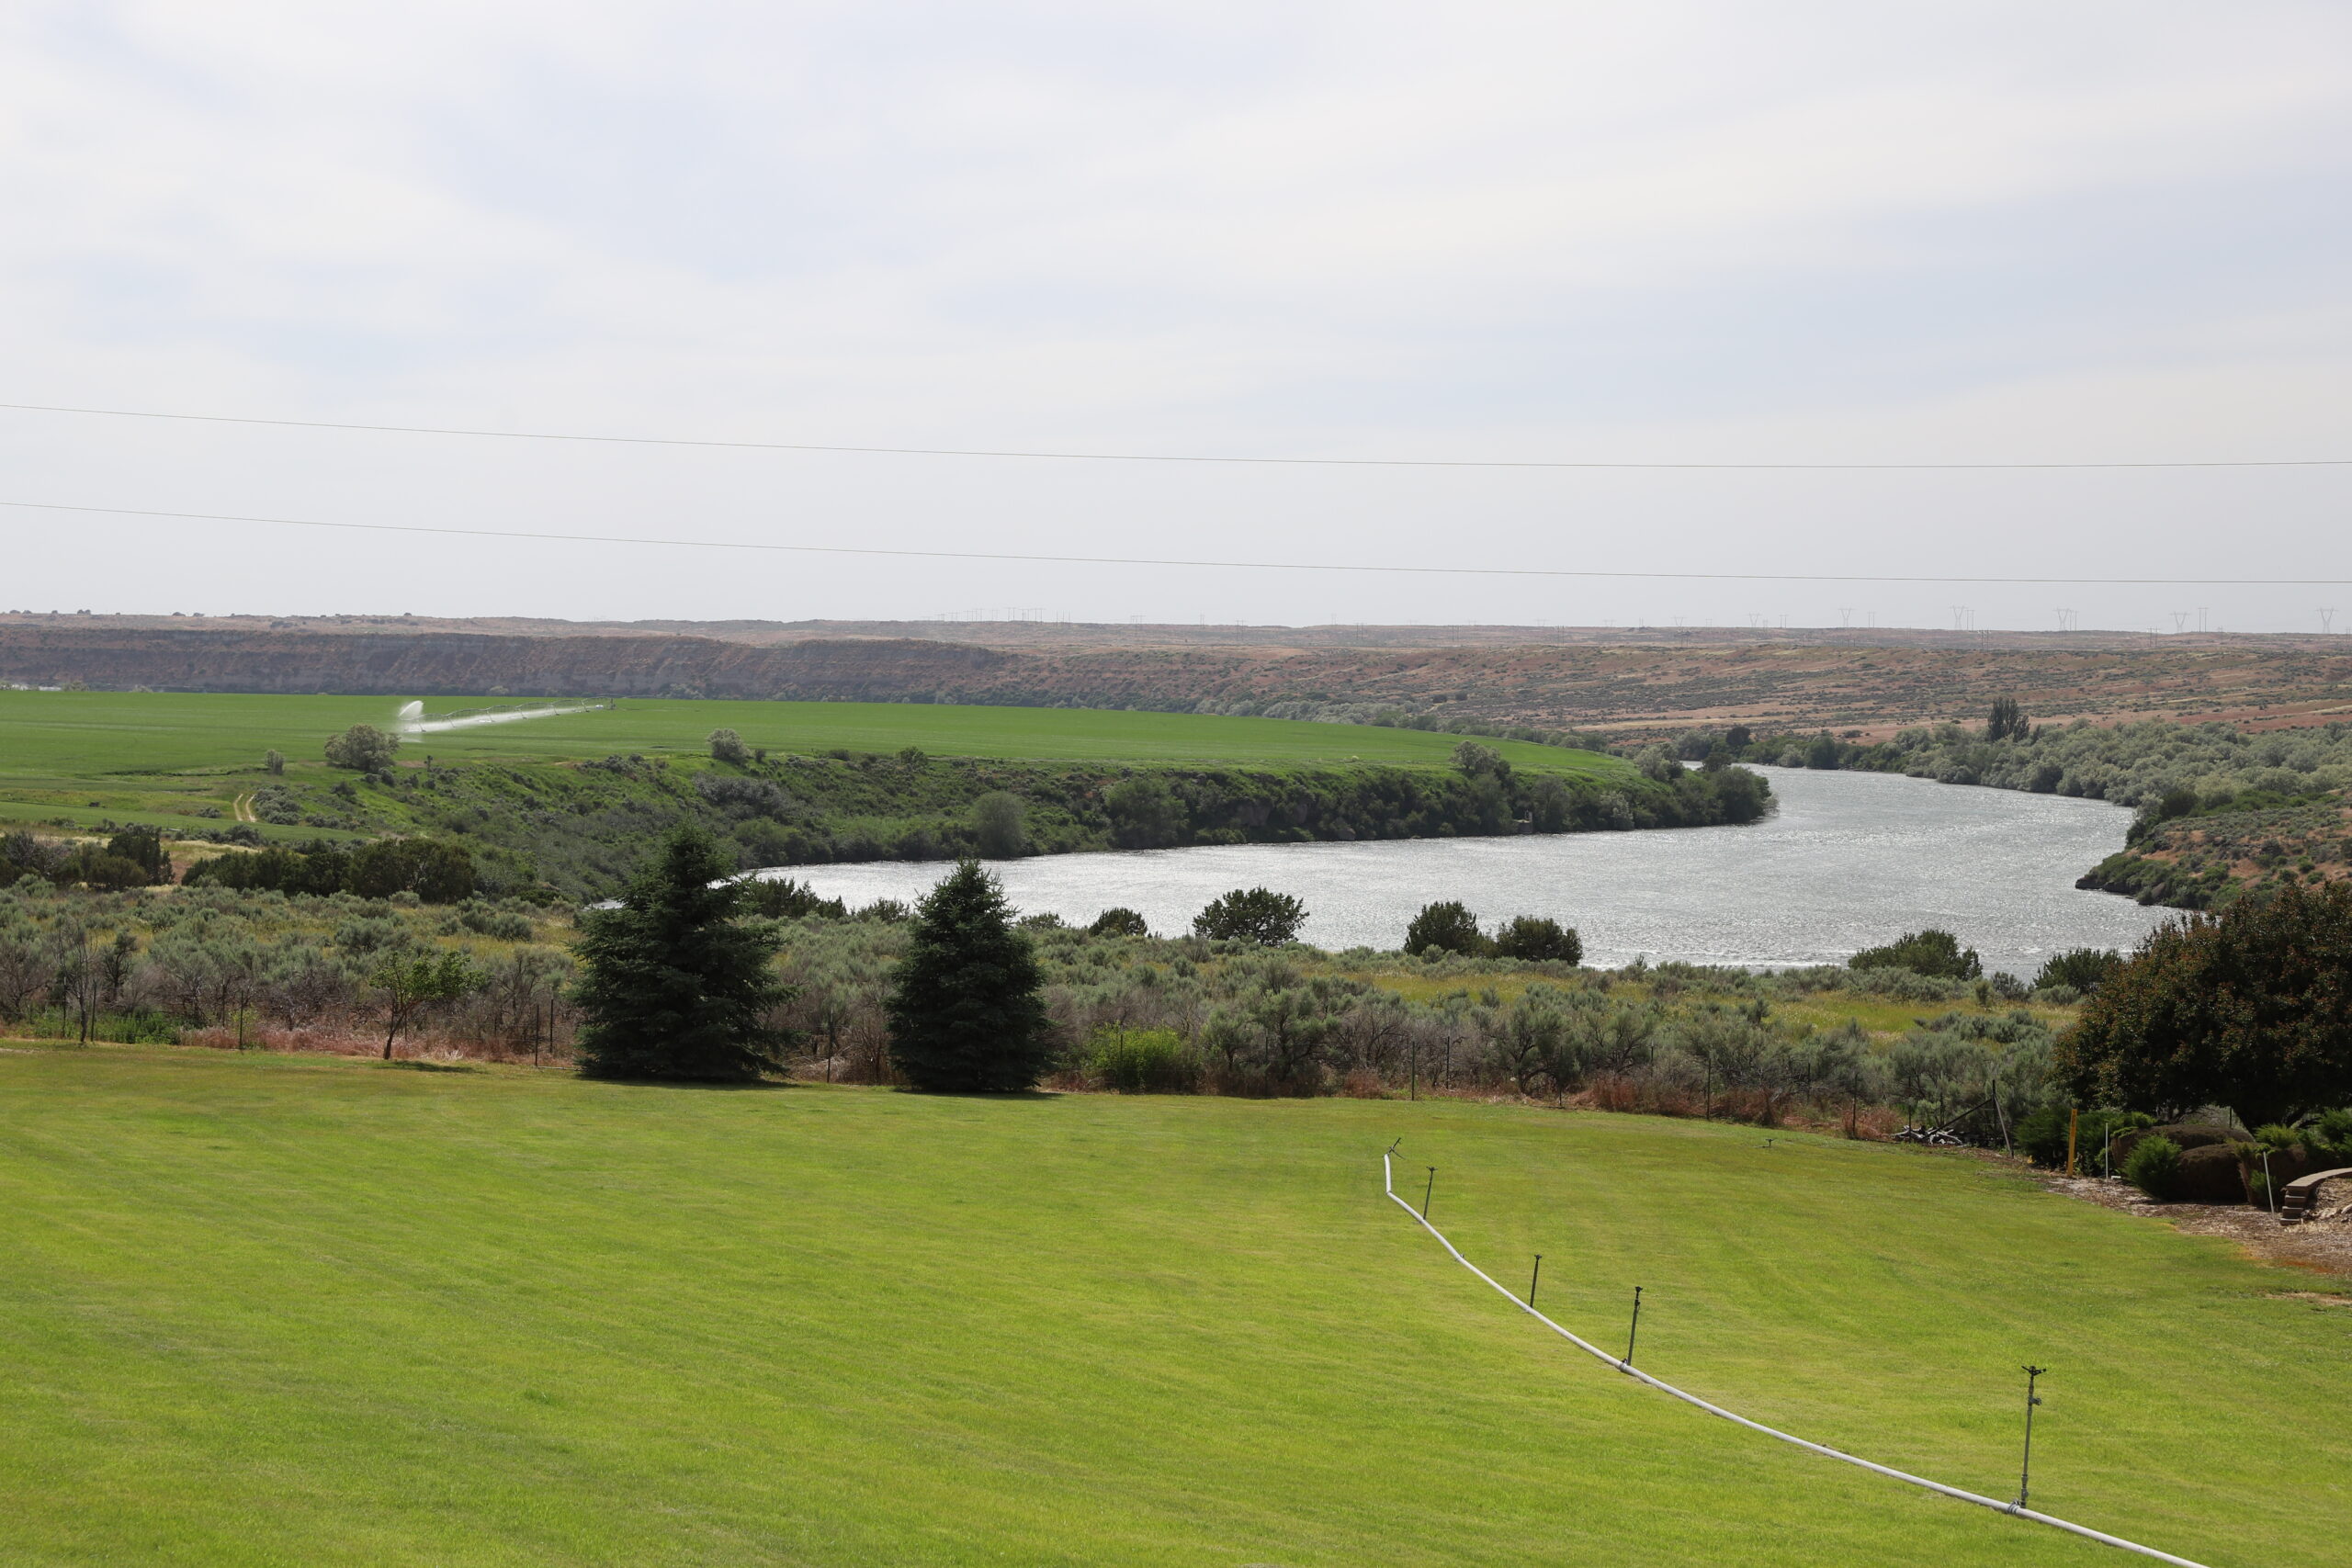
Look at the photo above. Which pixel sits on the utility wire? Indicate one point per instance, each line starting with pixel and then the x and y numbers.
pixel 1169 561
pixel 1176 457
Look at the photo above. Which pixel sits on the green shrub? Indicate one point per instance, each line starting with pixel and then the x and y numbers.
pixel 1251 914
pixel 2155 1167
pixel 139 1027
pixel 2082 968
pixel 782 899
pixel 1533 938
pixel 1119 920
pixel 2275 1136
pixel 363 747
pixel 1449 927
pixel 500 925
pixel 999 825
pixel 1931 952
pixel 1142 1061
pixel 2330 1134
pixel 2043 1136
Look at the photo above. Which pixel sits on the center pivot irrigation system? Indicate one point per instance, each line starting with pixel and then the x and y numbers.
pixel 1625 1364
pixel 413 720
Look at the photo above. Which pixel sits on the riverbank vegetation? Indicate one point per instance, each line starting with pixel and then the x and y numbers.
pixel 558 825
pixel 1859 1048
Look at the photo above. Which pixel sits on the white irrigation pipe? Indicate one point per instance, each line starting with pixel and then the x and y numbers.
pixel 415 724
pixel 1387 1182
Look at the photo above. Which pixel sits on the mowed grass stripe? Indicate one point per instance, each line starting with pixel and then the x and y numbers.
pixel 297 1310
pixel 83 734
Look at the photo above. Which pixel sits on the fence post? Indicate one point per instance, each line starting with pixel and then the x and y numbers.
pixel 1538 1274
pixel 1634 1330
pixel 1427 1190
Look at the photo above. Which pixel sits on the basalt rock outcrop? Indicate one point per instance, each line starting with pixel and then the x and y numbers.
pixel 422 665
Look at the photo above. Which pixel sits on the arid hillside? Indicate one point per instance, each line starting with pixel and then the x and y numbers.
pixel 1621 682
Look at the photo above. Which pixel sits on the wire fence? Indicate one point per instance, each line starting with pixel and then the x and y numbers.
pixel 2015 1510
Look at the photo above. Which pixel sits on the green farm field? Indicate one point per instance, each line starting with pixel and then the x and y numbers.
pixel 79 733
pixel 304 1309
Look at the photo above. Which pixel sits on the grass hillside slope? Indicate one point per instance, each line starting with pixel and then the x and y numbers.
pixel 301 1310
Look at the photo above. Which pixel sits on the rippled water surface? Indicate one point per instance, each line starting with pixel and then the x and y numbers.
pixel 1849 859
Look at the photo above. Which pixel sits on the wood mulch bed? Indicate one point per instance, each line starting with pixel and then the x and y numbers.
pixel 2322 1245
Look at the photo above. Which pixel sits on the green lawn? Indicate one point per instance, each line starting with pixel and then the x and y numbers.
pixel 83 734
pixel 266 1309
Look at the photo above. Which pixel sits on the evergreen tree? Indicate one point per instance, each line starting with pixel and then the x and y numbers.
pixel 965 1013
pixel 671 987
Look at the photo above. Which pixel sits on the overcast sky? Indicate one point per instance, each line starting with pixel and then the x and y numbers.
pixel 1654 231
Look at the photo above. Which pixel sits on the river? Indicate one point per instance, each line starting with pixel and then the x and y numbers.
pixel 1849 860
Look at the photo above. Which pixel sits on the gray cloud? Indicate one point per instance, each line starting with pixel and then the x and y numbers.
pixel 1831 231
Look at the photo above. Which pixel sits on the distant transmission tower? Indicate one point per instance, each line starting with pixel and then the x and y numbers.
pixel 2327 619
pixel 2179 621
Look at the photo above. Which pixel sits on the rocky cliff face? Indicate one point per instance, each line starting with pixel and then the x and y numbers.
pixel 409 665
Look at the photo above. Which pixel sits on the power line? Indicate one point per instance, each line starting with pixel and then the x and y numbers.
pixel 1173 458
pixel 1168 561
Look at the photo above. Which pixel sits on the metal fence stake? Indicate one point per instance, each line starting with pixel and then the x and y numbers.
pixel 2025 1472
pixel 1532 1278
pixel 1427 1190
pixel 1635 1330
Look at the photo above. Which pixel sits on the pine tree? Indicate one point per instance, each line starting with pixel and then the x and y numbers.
pixel 965 1015
pixel 671 987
